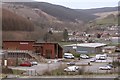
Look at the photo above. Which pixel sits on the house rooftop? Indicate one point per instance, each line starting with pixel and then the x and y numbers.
pixel 94 45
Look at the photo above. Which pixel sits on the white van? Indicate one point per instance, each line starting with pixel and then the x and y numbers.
pixel 101 56
pixel 68 56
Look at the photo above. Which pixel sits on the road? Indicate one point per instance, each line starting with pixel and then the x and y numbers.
pixel 63 79
pixel 78 77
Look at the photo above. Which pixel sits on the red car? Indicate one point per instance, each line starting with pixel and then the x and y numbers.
pixel 27 64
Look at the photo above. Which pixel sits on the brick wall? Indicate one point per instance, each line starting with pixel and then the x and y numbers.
pixel 18 45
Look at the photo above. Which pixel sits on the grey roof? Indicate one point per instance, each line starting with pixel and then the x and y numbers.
pixel 88 45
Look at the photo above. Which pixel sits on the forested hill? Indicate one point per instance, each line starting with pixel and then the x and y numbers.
pixel 60 12
pixel 13 22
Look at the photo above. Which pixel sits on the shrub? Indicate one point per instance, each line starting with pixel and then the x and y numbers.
pixel 116 63
pixel 47 73
pixel 6 70
pixel 76 55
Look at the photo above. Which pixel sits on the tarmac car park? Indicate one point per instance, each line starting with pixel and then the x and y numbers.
pixel 82 63
pixel 96 65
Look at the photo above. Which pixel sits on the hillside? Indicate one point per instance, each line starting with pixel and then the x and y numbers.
pixel 105 14
pixel 111 19
pixel 61 12
pixel 33 20
pixel 13 22
pixel 98 10
pixel 42 22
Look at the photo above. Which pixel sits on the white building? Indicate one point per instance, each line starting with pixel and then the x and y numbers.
pixel 115 39
pixel 85 47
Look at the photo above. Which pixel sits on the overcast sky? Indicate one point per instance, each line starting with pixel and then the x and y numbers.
pixel 83 4
pixel 77 4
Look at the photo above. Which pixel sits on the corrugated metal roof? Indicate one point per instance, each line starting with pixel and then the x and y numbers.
pixel 88 45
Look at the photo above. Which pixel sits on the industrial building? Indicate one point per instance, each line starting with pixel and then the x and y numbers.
pixel 48 50
pixel 115 39
pixel 109 49
pixel 85 47
pixel 31 48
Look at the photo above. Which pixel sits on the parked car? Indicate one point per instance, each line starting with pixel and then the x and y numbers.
pixel 107 67
pixel 26 63
pixel 102 58
pixel 71 63
pixel 111 65
pixel 84 56
pixel 93 60
pixel 71 69
pixel 68 56
pixel 34 63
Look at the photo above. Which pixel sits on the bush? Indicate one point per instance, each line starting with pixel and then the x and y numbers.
pixel 47 73
pixel 116 79
pixel 77 55
pixel 116 63
pixel 6 70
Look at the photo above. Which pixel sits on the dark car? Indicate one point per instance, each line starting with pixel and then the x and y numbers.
pixel 26 64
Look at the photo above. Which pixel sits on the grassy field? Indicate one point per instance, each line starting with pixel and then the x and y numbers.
pixel 18 72
pixel 107 21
